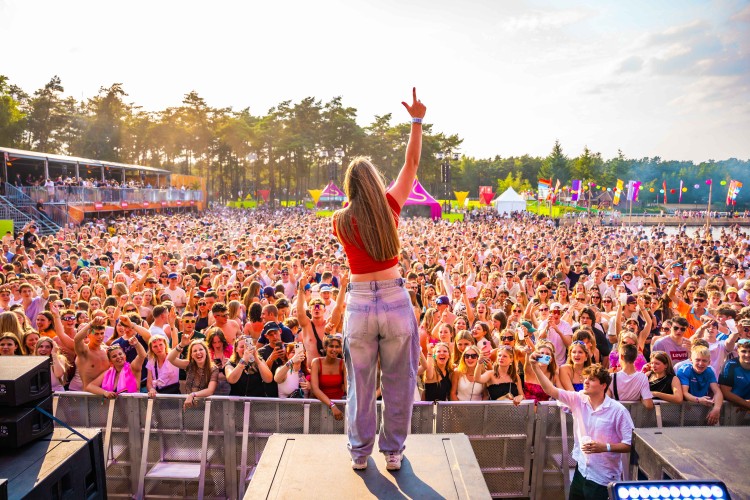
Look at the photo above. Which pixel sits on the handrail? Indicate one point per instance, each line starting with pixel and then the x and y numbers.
pixel 79 195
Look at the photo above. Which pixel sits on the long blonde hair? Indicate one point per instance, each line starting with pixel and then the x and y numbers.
pixel 375 230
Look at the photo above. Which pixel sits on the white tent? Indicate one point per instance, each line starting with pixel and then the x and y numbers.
pixel 509 201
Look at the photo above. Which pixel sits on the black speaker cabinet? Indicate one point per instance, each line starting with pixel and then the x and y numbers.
pixel 22 425
pixel 24 379
pixel 61 466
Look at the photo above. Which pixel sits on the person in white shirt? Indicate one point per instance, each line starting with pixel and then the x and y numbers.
pixel 628 384
pixel 602 429
pixel 557 331
pixel 176 294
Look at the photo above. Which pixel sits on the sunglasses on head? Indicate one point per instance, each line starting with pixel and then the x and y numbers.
pixel 744 341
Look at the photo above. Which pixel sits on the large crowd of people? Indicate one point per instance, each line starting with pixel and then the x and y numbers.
pixel 250 303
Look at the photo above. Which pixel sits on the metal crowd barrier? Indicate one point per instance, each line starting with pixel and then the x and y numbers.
pixel 153 448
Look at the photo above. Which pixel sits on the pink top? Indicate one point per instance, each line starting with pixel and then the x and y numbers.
pixel 126 382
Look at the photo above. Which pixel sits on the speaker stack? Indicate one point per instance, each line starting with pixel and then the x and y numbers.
pixel 37 460
pixel 25 383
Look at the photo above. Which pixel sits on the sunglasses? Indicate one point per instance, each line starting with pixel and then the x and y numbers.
pixel 202 304
pixel 607 300
pixel 698 300
pixel 471 356
pixel 68 318
pixel 679 328
pixel 556 311
pixel 220 315
pixel 543 291
pixel 581 299
pixel 188 321
pixel 130 310
pixel 543 309
pixel 596 297
pixel 517 310
pixel 507 338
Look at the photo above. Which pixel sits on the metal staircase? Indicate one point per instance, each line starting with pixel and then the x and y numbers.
pixel 16 206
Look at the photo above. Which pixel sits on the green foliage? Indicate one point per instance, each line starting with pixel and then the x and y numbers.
pixel 517 182
pixel 12 118
pixel 280 150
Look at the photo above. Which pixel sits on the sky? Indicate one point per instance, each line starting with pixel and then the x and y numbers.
pixel 668 78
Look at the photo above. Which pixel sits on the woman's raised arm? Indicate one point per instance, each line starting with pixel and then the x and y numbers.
pixel 401 189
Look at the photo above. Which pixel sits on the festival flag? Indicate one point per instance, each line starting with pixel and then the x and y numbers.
pixel 664 187
pixel 315 195
pixel 485 194
pixel 543 188
pixel 618 191
pixel 264 193
pixel 554 192
pixel 461 197
pixel 575 190
pixel 733 191
pixel 633 188
pixel 679 199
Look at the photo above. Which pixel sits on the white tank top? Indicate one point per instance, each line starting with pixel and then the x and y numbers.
pixel 469 391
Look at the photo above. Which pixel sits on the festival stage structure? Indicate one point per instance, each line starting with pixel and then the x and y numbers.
pixel 25 198
pixel 154 449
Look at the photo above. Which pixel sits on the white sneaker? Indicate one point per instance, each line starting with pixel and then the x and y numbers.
pixel 393 461
pixel 359 464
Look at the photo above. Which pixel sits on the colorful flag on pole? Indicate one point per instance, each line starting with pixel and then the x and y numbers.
pixel 555 191
pixel 633 188
pixel 543 188
pixel 664 187
pixel 733 191
pixel 618 191
pixel 575 190
pixel 679 200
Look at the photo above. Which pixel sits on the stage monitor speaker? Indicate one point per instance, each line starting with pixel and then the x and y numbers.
pixel 24 379
pixel 22 425
pixel 60 466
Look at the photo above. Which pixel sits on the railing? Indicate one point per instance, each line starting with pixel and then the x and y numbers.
pixel 77 195
pixel 523 451
pixel 23 204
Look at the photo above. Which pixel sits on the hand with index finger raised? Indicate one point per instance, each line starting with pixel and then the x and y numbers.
pixel 417 109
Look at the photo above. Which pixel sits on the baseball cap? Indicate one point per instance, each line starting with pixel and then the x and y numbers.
pixel 443 300
pixel 269 327
pixel 173 276
pixel 269 290
pixel 556 306
pixel 325 288
pixel 631 299
pixel 529 327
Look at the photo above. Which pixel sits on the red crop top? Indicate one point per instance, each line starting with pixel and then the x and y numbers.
pixel 360 261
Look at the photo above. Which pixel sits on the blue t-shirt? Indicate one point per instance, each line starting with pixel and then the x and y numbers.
pixel 699 384
pixel 737 378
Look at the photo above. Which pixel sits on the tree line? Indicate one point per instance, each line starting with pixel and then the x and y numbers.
pixel 296 146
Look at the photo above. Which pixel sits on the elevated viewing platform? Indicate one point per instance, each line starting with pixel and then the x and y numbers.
pixel 55 190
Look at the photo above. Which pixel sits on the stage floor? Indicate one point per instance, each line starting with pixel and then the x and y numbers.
pixel 318 467
pixel 696 453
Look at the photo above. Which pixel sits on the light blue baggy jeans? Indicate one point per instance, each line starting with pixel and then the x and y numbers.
pixel 379 320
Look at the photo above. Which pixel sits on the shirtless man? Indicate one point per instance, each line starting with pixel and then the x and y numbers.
pixel 313 332
pixel 91 356
pixel 221 319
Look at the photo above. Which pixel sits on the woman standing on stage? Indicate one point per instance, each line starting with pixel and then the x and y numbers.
pixel 378 323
